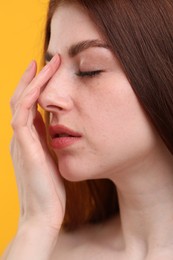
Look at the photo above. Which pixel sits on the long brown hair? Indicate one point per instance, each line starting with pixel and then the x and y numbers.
pixel 140 34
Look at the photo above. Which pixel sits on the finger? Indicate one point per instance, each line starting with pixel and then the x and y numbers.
pixel 27 77
pixel 39 81
pixel 26 136
pixel 20 118
pixel 23 110
pixel 39 125
pixel 44 76
pixel 35 87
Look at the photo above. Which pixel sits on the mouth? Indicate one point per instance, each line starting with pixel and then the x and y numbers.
pixel 61 136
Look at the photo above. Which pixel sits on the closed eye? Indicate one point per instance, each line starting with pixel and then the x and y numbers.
pixel 89 73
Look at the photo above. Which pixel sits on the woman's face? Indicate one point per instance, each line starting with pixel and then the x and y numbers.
pixel 115 134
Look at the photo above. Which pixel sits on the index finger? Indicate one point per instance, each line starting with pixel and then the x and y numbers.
pixel 45 74
pixel 29 81
pixel 42 78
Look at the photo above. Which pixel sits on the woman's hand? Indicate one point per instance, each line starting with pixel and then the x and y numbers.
pixel 40 187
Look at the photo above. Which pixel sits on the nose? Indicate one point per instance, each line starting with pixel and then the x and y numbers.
pixel 56 96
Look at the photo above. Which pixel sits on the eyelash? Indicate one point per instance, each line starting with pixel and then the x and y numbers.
pixel 88 73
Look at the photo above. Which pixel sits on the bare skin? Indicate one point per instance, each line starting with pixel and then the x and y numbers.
pixel 139 164
pixel 103 241
pixel 142 167
pixel 42 212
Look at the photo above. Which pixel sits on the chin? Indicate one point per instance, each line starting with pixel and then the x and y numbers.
pixel 71 173
pixel 78 173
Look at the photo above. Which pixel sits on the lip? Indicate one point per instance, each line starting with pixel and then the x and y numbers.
pixel 60 142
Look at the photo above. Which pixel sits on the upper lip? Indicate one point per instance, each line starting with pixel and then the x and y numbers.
pixel 56 130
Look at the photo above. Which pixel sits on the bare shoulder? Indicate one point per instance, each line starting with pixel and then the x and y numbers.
pixel 89 242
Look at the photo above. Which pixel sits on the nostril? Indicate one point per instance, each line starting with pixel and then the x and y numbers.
pixel 52 107
pixel 51 101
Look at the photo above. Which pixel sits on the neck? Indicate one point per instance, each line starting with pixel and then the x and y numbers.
pixel 146 203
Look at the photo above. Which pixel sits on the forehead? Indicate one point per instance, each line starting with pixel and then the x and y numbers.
pixel 70 24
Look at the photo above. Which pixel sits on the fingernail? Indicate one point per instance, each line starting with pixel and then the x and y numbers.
pixel 54 58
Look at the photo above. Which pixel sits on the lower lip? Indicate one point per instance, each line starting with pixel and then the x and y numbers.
pixel 63 142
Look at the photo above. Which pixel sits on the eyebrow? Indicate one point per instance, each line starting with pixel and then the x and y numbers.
pixel 79 47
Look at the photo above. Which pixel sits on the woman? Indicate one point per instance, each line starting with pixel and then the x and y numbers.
pixel 107 89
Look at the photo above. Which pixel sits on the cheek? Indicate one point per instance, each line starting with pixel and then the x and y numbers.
pixel 118 128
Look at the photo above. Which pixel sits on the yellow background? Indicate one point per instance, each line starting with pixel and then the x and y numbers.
pixel 21 40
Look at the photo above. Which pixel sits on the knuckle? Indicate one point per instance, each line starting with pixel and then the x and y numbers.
pixel 21 104
pixel 14 124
